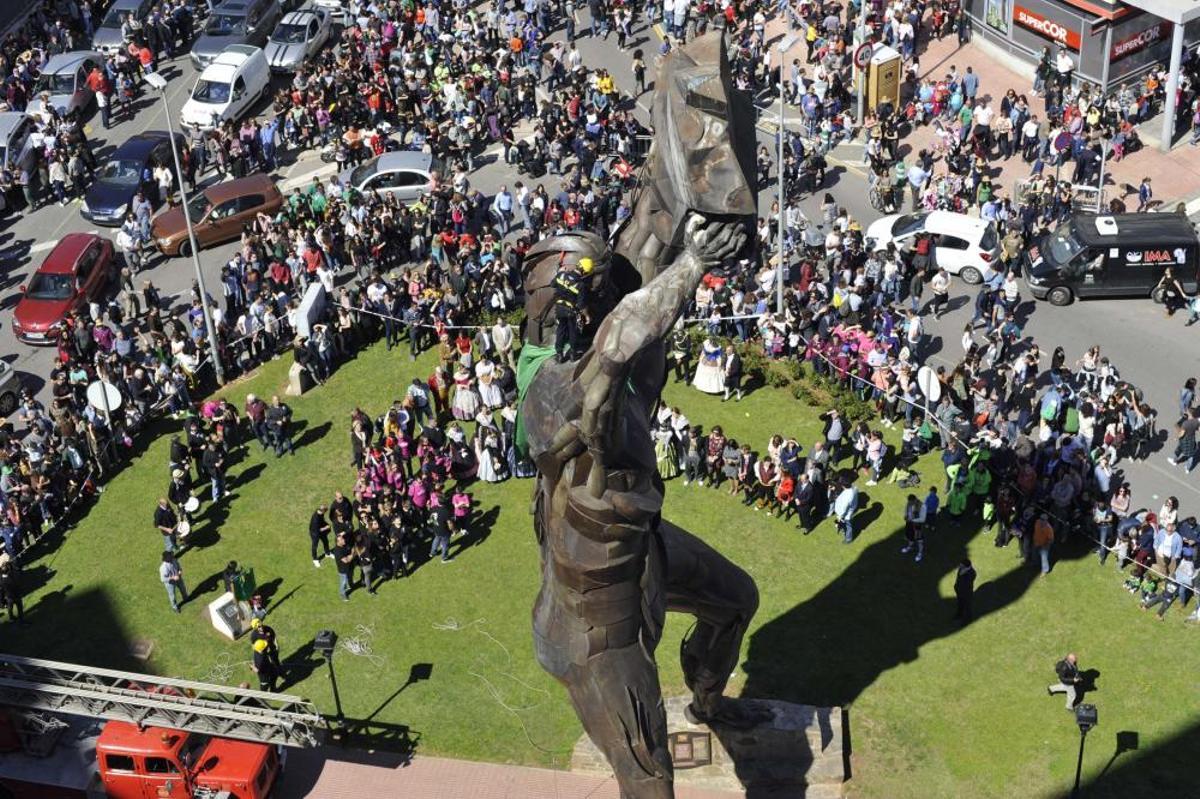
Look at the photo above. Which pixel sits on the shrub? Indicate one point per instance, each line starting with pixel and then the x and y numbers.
pixel 777 375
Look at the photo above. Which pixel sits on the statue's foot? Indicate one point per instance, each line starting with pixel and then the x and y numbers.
pixel 727 712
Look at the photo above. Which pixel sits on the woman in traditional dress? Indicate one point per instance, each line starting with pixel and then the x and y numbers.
pixel 489 389
pixel 466 401
pixel 709 377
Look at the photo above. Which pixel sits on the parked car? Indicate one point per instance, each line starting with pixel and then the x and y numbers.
pixel 297 38
pixel 228 88
pixel 404 174
pixel 64 80
pixel 107 38
pixel 15 148
pixel 336 8
pixel 118 179
pixel 218 214
pixel 235 22
pixel 77 271
pixel 962 245
pixel 10 389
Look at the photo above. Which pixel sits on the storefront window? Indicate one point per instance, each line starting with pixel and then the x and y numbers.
pixel 997 14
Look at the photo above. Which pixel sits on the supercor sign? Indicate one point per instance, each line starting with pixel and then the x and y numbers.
pixel 1045 27
pixel 1140 40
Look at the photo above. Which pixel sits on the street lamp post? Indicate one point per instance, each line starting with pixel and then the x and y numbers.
pixel 159 83
pixel 325 643
pixel 784 46
pixel 1086 717
pixel 859 37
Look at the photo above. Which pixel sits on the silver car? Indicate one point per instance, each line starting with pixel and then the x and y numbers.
pixel 405 175
pixel 297 38
pixel 107 38
pixel 64 83
pixel 16 150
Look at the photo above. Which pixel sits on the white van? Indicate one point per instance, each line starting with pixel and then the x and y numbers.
pixel 228 87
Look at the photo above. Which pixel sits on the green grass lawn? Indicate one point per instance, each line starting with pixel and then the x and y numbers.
pixel 933 710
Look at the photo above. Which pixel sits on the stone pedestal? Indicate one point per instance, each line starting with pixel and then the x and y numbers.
pixel 299 381
pixel 798 753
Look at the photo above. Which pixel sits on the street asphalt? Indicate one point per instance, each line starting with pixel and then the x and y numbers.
pixel 1153 352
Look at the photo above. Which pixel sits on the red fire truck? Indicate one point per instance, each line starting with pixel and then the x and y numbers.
pixel 74 732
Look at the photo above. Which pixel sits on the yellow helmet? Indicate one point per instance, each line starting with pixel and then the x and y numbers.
pixel 585 265
pixel 260 645
pixel 255 623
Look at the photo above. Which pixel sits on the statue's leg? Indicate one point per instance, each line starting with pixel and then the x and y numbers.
pixel 606 659
pixel 617 697
pixel 723 598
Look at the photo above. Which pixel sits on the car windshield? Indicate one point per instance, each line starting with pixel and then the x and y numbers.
pixel 908 224
pixel 113 18
pixel 365 171
pixel 290 34
pixel 211 92
pixel 124 171
pixel 225 25
pixel 1062 246
pixel 50 287
pixel 198 206
pixel 62 83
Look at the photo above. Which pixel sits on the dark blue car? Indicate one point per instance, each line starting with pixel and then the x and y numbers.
pixel 126 170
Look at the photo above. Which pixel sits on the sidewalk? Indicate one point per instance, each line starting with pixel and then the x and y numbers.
pixel 330 773
pixel 1174 176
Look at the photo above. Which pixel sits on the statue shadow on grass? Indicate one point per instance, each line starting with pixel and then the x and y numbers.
pixel 878 613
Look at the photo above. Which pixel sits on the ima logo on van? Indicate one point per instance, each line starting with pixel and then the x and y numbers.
pixel 1155 256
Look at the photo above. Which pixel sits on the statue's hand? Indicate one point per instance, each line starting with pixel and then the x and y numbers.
pixel 711 244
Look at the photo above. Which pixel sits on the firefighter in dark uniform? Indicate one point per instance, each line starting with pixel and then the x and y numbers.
pixel 570 297
pixel 264 632
pixel 268 674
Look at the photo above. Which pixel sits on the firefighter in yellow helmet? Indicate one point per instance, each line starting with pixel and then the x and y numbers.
pixel 268 675
pixel 570 299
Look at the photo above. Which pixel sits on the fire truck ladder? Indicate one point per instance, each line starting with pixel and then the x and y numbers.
pixel 144 700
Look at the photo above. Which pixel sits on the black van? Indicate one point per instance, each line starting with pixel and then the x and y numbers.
pixel 1123 255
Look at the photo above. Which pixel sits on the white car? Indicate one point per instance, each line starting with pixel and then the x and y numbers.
pixel 335 8
pixel 228 88
pixel 962 245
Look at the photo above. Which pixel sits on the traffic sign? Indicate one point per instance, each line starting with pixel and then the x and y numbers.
pixel 927 381
pixel 862 56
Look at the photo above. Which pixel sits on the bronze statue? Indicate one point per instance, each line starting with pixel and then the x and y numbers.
pixel 611 565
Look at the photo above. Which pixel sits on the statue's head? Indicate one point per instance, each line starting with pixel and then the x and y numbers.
pixel 704 139
pixel 607 280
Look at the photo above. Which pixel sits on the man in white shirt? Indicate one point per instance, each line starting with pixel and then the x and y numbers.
pixel 502 338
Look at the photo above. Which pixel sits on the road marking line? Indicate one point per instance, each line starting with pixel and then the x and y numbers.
pixel 306 178
pixel 45 245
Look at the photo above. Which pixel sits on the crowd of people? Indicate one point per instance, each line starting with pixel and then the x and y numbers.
pixel 419 272
pixel 1033 449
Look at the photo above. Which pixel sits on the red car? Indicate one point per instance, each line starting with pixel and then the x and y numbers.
pixel 75 272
